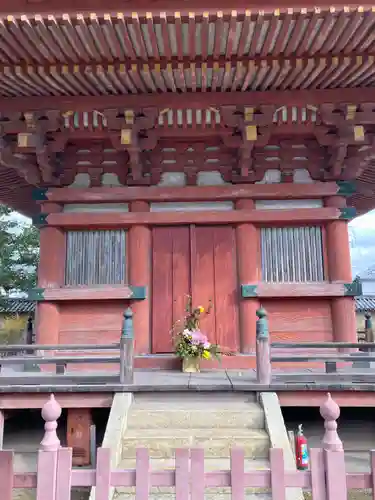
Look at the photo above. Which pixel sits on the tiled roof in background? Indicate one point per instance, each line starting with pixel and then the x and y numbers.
pixel 365 303
pixel 16 306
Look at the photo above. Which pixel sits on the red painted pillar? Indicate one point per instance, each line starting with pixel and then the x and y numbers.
pixel 340 270
pixel 248 262
pixel 139 275
pixel 51 272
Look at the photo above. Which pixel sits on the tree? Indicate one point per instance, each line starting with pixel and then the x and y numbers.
pixel 19 253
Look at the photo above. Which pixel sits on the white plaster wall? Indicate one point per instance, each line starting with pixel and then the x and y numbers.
pixel 96 207
pixel 287 204
pixel 191 206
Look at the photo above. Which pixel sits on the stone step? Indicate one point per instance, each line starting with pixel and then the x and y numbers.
pixel 250 417
pixel 210 494
pixel 205 400
pixel 216 442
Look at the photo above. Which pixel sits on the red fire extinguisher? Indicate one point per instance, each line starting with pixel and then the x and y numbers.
pixel 302 453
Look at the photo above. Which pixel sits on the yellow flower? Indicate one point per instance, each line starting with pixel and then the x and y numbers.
pixel 201 309
pixel 206 355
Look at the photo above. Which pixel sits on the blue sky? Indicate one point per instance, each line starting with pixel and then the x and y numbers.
pixel 362 240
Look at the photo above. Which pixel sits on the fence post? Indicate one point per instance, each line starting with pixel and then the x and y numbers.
pixel 51 412
pixel 127 349
pixel 263 361
pixel 333 452
pixel 330 411
pixel 48 452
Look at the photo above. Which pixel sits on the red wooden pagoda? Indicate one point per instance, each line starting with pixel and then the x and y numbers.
pixel 173 150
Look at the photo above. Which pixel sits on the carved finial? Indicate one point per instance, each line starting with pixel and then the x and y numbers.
pixel 330 411
pixel 127 326
pixel 262 324
pixel 51 411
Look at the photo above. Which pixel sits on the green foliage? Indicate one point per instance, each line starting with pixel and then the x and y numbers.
pixel 12 330
pixel 19 253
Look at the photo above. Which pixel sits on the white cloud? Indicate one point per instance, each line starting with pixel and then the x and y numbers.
pixel 362 236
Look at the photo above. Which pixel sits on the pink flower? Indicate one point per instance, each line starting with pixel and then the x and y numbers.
pixel 197 337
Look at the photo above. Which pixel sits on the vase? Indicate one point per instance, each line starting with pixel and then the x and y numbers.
pixel 190 365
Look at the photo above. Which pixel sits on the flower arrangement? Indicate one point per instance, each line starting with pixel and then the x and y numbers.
pixel 190 342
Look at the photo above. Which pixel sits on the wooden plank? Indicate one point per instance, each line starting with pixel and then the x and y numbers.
pixel 335 475
pixel 322 345
pixel 103 474
pixel 108 220
pixel 180 271
pixel 113 292
pixel 78 434
pixel 60 359
pixel 64 474
pixel 318 482
pixel 237 473
pixel 278 484
pixel 88 400
pixel 162 289
pixel 197 473
pixel 191 193
pixel 2 424
pixel 320 357
pixel 225 288
pixel 372 468
pixel 284 290
pixel 46 477
pixel 182 474
pixel 6 475
pixel 59 347
pixel 203 276
pixel 142 474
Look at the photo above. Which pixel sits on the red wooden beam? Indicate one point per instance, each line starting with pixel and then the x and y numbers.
pixel 192 193
pixel 121 219
pixel 192 100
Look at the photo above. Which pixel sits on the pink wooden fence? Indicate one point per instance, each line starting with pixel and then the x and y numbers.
pixel 327 478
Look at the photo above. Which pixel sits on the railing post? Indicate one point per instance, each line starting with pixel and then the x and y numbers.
pixel 263 361
pixel 127 348
pixel 48 452
pixel 369 333
pixel 330 411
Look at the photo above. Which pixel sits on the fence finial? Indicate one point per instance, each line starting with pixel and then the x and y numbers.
pixel 51 411
pixel 127 326
pixel 262 324
pixel 330 411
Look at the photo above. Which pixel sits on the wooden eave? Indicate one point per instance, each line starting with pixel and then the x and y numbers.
pixel 187 65
pixel 116 54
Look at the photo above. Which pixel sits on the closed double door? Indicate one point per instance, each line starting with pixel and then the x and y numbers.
pixel 199 261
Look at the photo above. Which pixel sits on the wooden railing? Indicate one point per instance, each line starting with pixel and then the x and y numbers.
pixel 78 354
pixel 327 478
pixel 358 354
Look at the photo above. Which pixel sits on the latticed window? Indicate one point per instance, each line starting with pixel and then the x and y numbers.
pixel 95 258
pixel 292 254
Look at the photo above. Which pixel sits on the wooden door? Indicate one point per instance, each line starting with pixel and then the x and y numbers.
pixel 214 276
pixel 199 261
pixel 170 282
